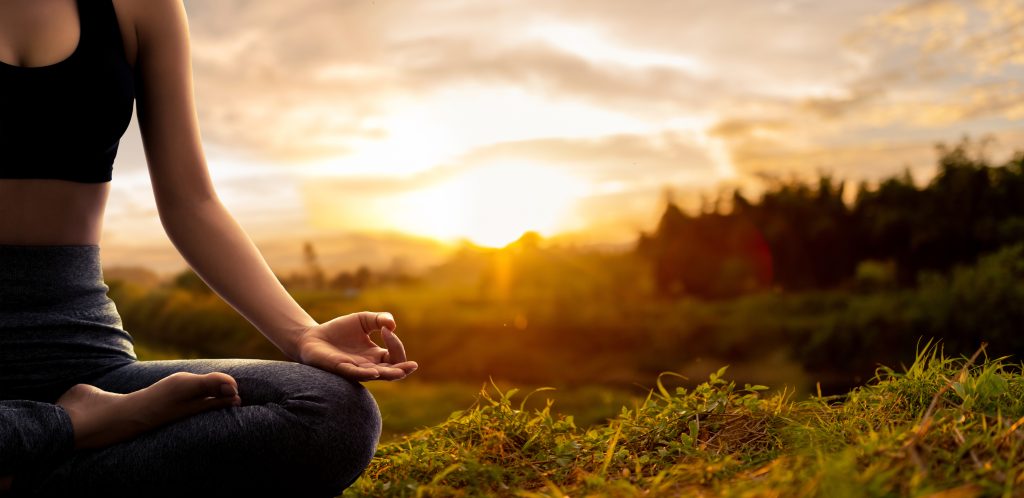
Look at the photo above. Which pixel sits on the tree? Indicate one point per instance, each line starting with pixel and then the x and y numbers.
pixel 803 235
pixel 314 273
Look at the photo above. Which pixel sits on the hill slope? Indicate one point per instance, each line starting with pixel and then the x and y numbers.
pixel 943 427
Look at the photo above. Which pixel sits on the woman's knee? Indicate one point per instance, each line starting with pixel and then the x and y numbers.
pixel 342 421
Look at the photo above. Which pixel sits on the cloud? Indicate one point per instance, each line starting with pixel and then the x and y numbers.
pixel 316 79
pixel 666 157
pixel 339 106
pixel 747 128
pixel 311 78
pixel 859 95
pixel 988 35
pixel 929 71
pixel 436 63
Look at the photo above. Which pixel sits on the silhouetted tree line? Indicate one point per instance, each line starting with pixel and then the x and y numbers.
pixel 802 235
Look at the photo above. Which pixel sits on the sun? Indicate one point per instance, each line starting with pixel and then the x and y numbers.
pixel 492 205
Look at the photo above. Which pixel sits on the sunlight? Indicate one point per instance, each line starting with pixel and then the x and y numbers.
pixel 409 143
pixel 492 205
pixel 419 134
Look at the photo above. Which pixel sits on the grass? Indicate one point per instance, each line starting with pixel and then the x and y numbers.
pixel 943 427
pixel 411 405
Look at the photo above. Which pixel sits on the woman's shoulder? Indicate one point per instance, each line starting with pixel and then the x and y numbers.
pixel 148 22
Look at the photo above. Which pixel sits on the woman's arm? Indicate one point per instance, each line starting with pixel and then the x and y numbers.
pixel 206 234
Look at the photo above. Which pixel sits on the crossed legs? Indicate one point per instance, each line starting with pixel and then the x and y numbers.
pixel 293 430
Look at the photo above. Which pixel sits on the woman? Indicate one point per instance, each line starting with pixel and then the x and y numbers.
pixel 79 414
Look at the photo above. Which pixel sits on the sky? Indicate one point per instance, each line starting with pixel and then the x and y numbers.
pixel 386 130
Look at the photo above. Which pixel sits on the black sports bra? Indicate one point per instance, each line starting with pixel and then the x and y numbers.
pixel 64 121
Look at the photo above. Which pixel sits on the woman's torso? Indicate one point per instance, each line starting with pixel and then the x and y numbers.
pixel 51 212
pixel 47 211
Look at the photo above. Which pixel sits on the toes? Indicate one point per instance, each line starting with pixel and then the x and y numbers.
pixel 220 385
pixel 185 386
pixel 215 403
pixel 201 405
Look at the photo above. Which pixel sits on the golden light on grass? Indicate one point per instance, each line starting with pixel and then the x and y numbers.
pixel 492 205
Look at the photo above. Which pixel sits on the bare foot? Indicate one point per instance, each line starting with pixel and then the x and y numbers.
pixel 101 418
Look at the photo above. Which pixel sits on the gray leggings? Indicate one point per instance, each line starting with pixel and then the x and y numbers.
pixel 300 431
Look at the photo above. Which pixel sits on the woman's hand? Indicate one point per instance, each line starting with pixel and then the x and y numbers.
pixel 343 346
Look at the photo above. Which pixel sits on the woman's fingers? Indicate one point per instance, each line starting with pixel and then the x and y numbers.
pixel 368 321
pixel 372 321
pixel 385 320
pixel 390 373
pixel 355 372
pixel 408 366
pixel 396 351
pixel 331 360
pixel 370 364
pixel 380 371
pixel 396 371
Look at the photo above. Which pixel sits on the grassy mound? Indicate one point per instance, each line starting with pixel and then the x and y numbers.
pixel 943 428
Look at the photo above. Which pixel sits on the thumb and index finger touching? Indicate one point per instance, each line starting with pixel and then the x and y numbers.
pixel 385 323
pixel 372 321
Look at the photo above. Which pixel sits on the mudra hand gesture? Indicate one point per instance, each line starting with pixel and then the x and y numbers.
pixel 343 346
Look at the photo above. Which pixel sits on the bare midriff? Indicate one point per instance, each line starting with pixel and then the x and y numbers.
pixel 51 212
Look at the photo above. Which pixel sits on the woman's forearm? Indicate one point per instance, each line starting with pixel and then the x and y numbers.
pixel 224 256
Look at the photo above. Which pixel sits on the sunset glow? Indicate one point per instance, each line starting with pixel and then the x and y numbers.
pixel 482 120
pixel 492 205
